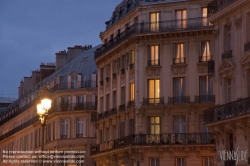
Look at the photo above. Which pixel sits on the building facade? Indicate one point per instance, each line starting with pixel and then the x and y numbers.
pixel 73 92
pixel 153 85
pixel 230 119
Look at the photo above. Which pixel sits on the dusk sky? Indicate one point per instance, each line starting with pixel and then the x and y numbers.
pixel 32 31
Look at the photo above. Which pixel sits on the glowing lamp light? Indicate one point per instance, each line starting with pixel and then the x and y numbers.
pixel 40 109
pixel 46 103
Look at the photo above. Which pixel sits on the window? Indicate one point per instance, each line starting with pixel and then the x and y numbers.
pixel 206 89
pixel 179 53
pixel 73 82
pixel 227 38
pixel 180 161
pixel 154 91
pixel 107 72
pixel 205 51
pixel 64 129
pixel 154 161
pixel 114 99
pixel 154 21
pixel 123 100
pixel 179 86
pixel 80 128
pixel 79 99
pixel 121 129
pixel 204 16
pixel 132 56
pixel 131 125
pixel 132 91
pixel 180 124
pixel 101 105
pixel 203 128
pixel 154 125
pixel 153 55
pixel 107 102
pixel 228 90
pixel 208 161
pixel 114 67
pixel 181 18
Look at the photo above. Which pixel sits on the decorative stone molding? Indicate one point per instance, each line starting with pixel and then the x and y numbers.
pixel 216 33
pixel 219 131
pixel 226 68
pixel 243 126
pixel 245 60
pixel 198 152
pixel 238 22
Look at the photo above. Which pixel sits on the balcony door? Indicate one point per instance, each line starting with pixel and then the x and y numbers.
pixel 154 91
pixel 153 55
pixel 154 21
pixel 181 18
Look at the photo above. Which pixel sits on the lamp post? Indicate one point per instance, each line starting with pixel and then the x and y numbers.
pixel 42 110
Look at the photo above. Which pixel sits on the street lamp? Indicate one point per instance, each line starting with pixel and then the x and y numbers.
pixel 42 110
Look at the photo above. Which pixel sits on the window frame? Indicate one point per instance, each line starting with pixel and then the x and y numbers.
pixel 154 125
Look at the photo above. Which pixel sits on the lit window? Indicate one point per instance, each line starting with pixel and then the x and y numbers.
pixel 204 16
pixel 154 125
pixel 179 53
pixel 153 55
pixel 132 91
pixel 154 21
pixel 132 56
pixel 205 51
pixel 154 91
pixel 181 17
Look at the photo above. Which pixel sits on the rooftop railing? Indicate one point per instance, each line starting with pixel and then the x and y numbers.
pixel 155 139
pixel 228 110
pixel 217 5
pixel 155 27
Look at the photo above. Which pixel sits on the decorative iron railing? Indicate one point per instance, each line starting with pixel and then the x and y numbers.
pixel 179 60
pixel 155 62
pixel 153 101
pixel 122 108
pixel 228 110
pixel 247 46
pixel 73 107
pixel 205 99
pixel 227 54
pixel 154 139
pixel 64 136
pixel 217 5
pixel 179 100
pixel 155 27
pixel 79 135
pixel 205 58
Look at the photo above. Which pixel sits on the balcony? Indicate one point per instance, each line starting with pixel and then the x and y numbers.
pixel 227 54
pixel 155 62
pixel 131 66
pixel 205 58
pixel 122 71
pixel 153 139
pixel 131 104
pixel 65 106
pixel 64 136
pixel 101 83
pixel 179 100
pixel 247 46
pixel 217 5
pixel 155 27
pixel 153 101
pixel 205 99
pixel 107 79
pixel 229 110
pixel 177 61
pixel 122 108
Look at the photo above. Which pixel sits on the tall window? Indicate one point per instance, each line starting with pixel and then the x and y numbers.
pixel 107 102
pixel 132 91
pixel 132 56
pixel 154 125
pixel 153 55
pixel 203 128
pixel 180 161
pixel 131 126
pixel 114 66
pixel 227 38
pixel 107 71
pixel 79 99
pixel 228 90
pixel 208 161
pixel 121 129
pixel 102 77
pixel 154 21
pixel 73 82
pixel 101 105
pixel 64 129
pixel 181 18
pixel 205 51
pixel 80 128
pixel 206 86
pixel 179 86
pixel 179 53
pixel 154 161
pixel 114 99
pixel 204 16
pixel 180 124
pixel 154 90
pixel 123 100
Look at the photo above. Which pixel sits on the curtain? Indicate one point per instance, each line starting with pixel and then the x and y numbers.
pixel 179 53
pixel 179 87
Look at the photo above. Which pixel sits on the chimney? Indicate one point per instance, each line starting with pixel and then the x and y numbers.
pixel 46 70
pixel 35 78
pixel 76 50
pixel 61 59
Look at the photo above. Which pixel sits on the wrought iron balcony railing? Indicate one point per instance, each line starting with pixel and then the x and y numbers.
pixel 65 106
pixel 155 139
pixel 205 99
pixel 205 58
pixel 179 60
pixel 179 100
pixel 155 27
pixel 155 62
pixel 228 110
pixel 227 54
pixel 131 66
pixel 247 46
pixel 153 101
pixel 122 108
pixel 64 136
pixel 217 5
pixel 131 104
pixel 79 135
